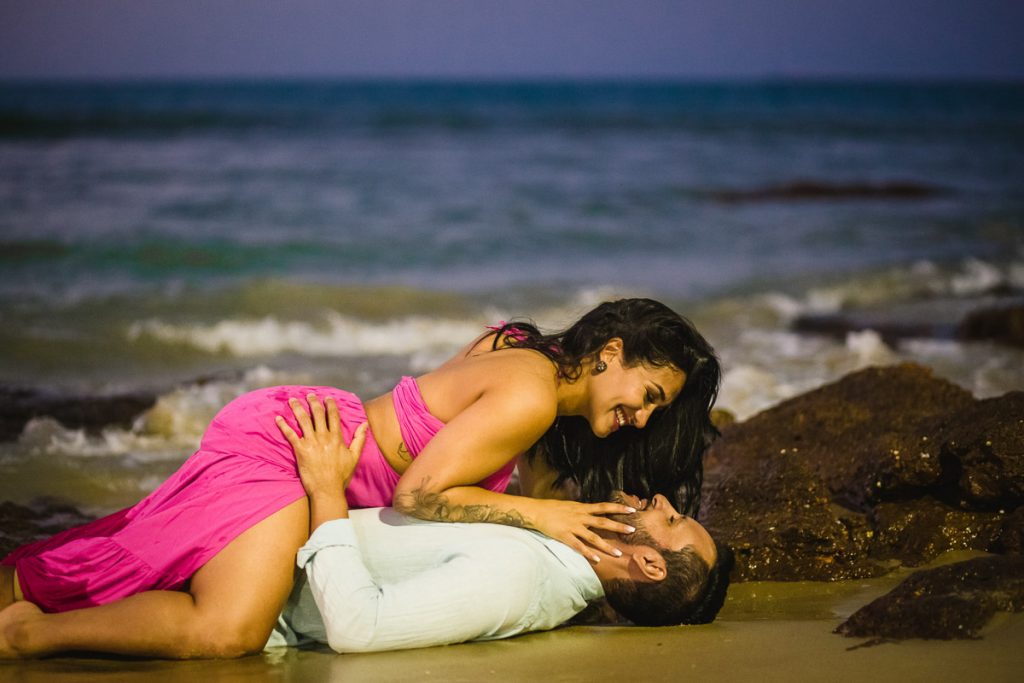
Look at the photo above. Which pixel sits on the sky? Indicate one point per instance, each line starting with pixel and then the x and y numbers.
pixel 483 39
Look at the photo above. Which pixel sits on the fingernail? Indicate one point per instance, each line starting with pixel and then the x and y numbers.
pixel 630 529
pixel 618 553
pixel 630 509
pixel 596 559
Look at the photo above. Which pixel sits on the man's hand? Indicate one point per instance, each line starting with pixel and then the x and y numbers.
pixel 325 462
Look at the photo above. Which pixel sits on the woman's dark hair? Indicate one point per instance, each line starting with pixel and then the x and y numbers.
pixel 666 456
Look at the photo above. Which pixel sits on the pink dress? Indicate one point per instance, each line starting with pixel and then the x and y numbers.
pixel 243 472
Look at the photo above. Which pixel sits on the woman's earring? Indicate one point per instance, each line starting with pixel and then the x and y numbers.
pixel 599 367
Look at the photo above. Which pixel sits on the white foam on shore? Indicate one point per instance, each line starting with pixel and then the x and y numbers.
pixel 170 430
pixel 922 280
pixel 764 367
pixel 336 335
pixel 977 277
pixel 45 436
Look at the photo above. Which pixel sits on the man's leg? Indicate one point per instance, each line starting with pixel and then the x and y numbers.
pixel 229 610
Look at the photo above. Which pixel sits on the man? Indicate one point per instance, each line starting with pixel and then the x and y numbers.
pixel 377 580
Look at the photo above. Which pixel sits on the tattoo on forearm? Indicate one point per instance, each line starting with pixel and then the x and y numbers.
pixel 436 506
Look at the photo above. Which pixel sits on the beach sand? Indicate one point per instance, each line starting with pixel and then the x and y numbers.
pixel 767 631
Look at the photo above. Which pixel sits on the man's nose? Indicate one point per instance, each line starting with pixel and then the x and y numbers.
pixel 664 503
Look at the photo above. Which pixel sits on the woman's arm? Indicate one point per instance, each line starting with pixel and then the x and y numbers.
pixel 503 422
pixel 563 520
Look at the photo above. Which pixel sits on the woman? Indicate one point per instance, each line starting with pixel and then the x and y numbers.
pixel 228 523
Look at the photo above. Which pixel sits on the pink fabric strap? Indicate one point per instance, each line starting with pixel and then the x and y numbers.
pixel 513 332
pixel 415 422
pixel 418 427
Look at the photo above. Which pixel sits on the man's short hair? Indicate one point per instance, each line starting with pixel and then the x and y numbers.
pixel 691 592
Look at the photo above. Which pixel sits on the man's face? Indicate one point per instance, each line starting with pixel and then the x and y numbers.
pixel 658 521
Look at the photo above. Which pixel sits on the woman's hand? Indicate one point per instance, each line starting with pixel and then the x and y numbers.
pixel 572 523
pixel 324 460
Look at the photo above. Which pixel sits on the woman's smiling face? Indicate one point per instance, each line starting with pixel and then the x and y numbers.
pixel 626 396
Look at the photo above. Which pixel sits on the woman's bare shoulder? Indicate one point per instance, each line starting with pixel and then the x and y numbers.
pixel 525 376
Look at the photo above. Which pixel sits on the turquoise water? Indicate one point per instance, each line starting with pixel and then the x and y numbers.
pixel 480 188
pixel 199 239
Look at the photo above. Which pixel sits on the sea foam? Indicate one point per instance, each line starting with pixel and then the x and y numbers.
pixel 337 335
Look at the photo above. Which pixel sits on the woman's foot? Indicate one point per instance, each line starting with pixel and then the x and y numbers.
pixel 13 619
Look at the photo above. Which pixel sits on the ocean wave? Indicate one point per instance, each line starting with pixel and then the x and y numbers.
pixel 46 436
pixel 336 335
pixel 922 280
pixel 764 367
pixel 169 430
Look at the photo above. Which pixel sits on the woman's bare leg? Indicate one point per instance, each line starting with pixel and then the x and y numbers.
pixel 229 611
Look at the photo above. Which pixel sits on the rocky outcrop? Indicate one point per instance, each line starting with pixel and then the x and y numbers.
pixel 891 330
pixel 1002 324
pixel 952 601
pixel 887 466
pixel 20 524
pixel 18 405
pixel 803 190
pixel 916 531
pixel 983 449
pixel 997 317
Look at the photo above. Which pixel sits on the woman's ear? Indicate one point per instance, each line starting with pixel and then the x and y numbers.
pixel 612 349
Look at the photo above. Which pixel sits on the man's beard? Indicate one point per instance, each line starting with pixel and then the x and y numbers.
pixel 633 519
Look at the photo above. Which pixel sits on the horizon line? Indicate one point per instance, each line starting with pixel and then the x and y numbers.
pixel 468 79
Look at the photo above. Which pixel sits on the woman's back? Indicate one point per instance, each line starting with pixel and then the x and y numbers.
pixel 520 375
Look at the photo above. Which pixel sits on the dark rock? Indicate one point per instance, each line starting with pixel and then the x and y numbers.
pixel 1002 324
pixel 891 331
pixel 886 466
pixel 953 601
pixel 21 524
pixel 995 315
pixel 1011 535
pixel 915 532
pixel 802 190
pixel 777 517
pixel 984 445
pixel 869 436
pixel 18 405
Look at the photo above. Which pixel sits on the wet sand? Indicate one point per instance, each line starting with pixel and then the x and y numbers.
pixel 767 631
